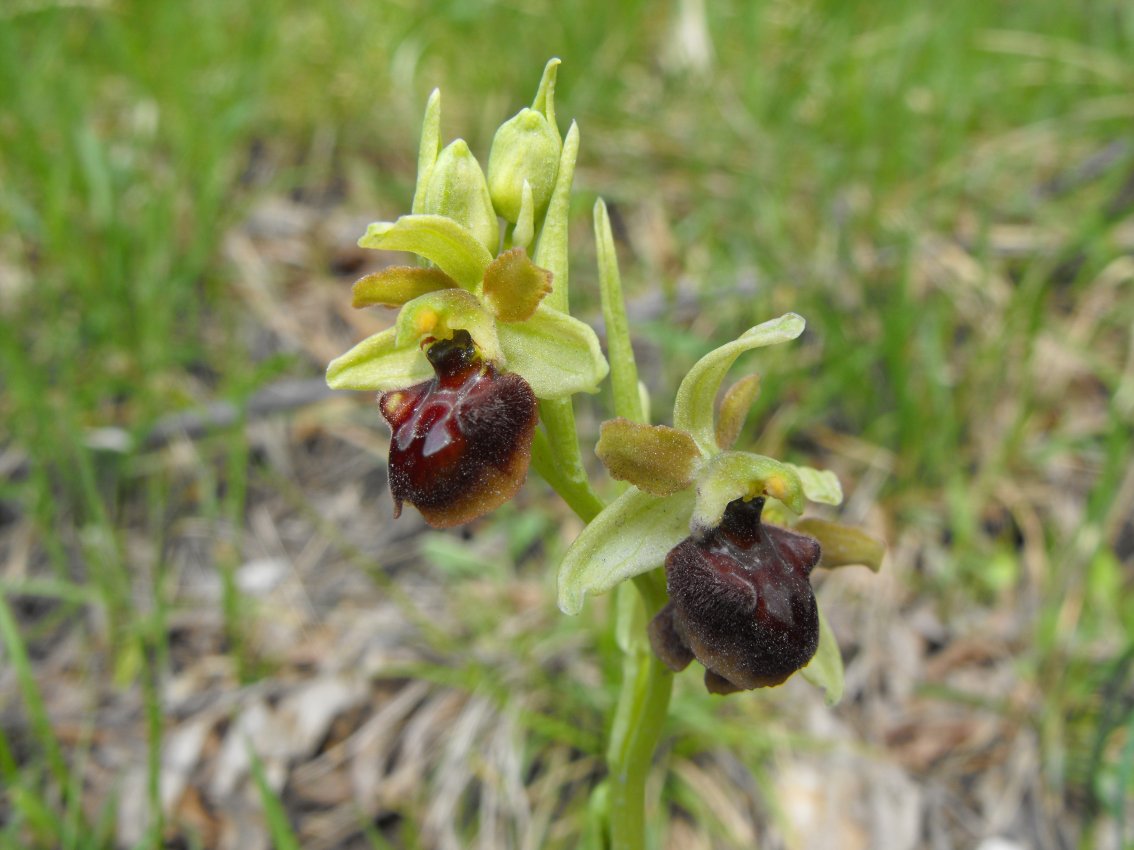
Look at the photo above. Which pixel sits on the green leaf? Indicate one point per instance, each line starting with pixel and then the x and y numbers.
pixel 428 150
pixel 514 286
pixel 734 409
pixel 377 363
pixel 394 286
pixel 825 670
pixel 442 241
pixel 633 534
pixel 556 354
pixel 696 397
pixel 819 485
pixel 437 315
pixel 843 545
pixel 728 476
pixel 654 458
pixel 275 813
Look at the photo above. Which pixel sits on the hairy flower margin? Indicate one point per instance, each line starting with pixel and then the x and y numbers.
pixel 477 285
pixel 690 490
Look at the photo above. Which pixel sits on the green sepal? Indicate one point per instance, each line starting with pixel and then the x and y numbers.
pixel 446 244
pixel 843 545
pixel 428 150
pixel 437 315
pixel 394 286
pixel 379 363
pixel 458 190
pixel 696 397
pixel 514 286
pixel 825 670
pixel 734 409
pixel 632 535
pixel 654 458
pixel 819 485
pixel 551 247
pixel 728 476
pixel 555 353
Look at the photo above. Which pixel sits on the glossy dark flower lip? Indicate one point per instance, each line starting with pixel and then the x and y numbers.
pixel 740 602
pixel 461 442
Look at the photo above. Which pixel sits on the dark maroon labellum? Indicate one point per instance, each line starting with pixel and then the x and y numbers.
pixel 462 441
pixel 740 602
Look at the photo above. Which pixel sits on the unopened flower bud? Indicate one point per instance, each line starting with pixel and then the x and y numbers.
pixel 461 442
pixel 740 602
pixel 526 147
pixel 458 190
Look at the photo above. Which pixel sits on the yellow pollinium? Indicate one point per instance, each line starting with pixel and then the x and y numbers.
pixel 777 487
pixel 426 321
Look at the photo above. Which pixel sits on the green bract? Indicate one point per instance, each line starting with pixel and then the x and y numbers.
pixel 685 477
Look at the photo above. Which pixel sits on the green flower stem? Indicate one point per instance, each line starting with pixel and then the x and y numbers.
pixel 575 490
pixel 638 721
pixel 643 701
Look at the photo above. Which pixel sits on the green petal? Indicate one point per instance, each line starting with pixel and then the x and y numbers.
pixel 696 397
pixel 514 286
pixel 842 545
pixel 728 476
pixel 633 534
pixel 556 354
pixel 437 314
pixel 654 458
pixel 396 285
pixel 448 245
pixel 378 363
pixel 819 485
pixel 825 670
pixel 734 409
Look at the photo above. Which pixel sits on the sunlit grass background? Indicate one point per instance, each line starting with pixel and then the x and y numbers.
pixel 944 191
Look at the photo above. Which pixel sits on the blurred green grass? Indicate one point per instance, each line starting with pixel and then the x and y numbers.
pixel 944 193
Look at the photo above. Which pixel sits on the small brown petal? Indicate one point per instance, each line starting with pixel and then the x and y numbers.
pixel 734 409
pixel 514 286
pixel 655 458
